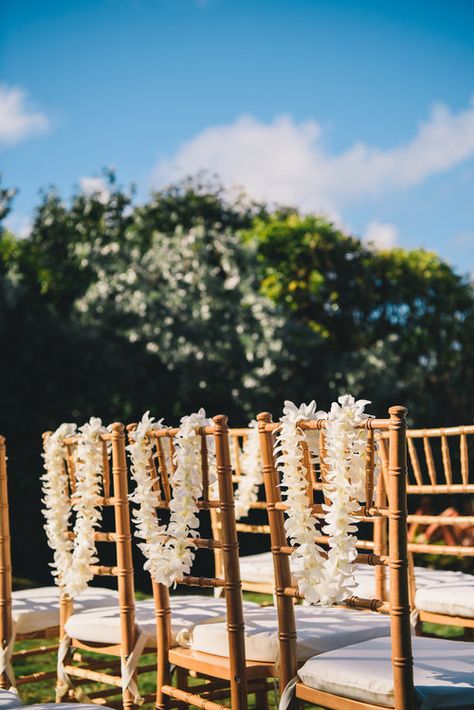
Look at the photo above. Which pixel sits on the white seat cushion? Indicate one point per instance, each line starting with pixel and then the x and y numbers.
pixel 34 610
pixel 259 568
pixel 438 591
pixel 73 706
pixel 319 630
pixel 103 625
pixel 9 700
pixel 443 672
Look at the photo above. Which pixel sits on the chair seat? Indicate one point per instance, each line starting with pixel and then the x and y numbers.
pixel 73 706
pixel 259 568
pixel 9 700
pixel 438 591
pixel 103 625
pixel 319 630
pixel 443 673
pixel 35 610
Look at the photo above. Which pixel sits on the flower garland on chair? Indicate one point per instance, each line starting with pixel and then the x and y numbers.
pixel 73 558
pixel 345 487
pixel 167 548
pixel 300 523
pixel 251 467
pixel 324 579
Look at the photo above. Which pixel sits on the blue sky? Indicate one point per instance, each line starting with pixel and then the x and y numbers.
pixel 363 109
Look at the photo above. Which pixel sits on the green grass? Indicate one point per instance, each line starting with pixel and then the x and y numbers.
pixel 42 692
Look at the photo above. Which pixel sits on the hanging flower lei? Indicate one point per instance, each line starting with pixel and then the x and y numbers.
pixel 300 524
pixel 345 488
pixel 56 501
pixel 251 467
pixel 73 558
pixel 169 552
pixel 324 579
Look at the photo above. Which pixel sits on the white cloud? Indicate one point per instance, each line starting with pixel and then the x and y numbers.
pixel 286 162
pixel 17 121
pixel 95 186
pixel 382 235
pixel 19 224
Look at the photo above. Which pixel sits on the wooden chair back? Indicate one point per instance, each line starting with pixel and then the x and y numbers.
pixel 397 560
pixel 214 498
pixel 255 522
pixel 114 496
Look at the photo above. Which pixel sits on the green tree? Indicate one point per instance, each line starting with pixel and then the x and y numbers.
pixel 395 324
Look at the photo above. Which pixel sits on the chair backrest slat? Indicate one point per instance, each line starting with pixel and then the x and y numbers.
pixel 415 462
pixel 464 457
pixel 448 472
pixel 429 460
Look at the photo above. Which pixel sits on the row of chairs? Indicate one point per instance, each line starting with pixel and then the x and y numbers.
pixel 207 648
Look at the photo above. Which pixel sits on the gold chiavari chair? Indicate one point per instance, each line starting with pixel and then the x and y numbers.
pixel 377 673
pixel 30 613
pixel 438 468
pixel 114 630
pixel 220 676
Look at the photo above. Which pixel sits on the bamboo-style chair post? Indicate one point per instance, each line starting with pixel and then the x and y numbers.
pixel 286 618
pixel 402 659
pixel 230 545
pixel 380 540
pixel 163 641
pixel 124 551
pixel 5 561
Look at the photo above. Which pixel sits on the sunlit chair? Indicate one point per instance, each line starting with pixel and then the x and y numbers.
pixel 438 465
pixel 229 675
pixel 376 673
pixel 29 613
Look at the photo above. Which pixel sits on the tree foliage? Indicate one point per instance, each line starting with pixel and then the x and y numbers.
pixel 195 298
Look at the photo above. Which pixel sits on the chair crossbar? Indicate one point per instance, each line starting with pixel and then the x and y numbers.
pixel 191 581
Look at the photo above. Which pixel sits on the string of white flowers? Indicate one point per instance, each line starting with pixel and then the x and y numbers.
pixel 168 549
pixel 300 524
pixel 252 474
pixel 56 501
pixel 344 487
pixel 73 558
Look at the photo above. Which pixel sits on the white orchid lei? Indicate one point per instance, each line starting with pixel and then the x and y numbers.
pixel 345 489
pixel 300 524
pixel 324 579
pixel 73 558
pixel 167 548
pixel 252 475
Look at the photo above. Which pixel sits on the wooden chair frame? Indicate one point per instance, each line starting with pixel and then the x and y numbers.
pixel 397 560
pixel 115 495
pixel 237 437
pixel 423 478
pixel 221 676
pixel 6 623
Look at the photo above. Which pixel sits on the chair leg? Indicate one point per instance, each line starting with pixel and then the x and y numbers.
pixel 182 683
pixel 261 699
